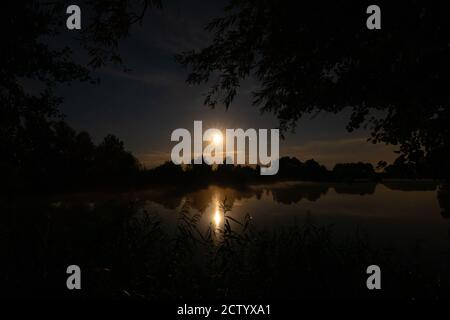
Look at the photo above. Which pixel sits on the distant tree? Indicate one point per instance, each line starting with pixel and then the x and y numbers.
pixel 399 170
pixel 353 171
pixel 293 169
pixel 84 148
pixel 112 162
pixel 319 56
pixel 315 171
pixel 167 172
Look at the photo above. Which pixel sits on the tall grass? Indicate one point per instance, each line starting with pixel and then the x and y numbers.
pixel 127 252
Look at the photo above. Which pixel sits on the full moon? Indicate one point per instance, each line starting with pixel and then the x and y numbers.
pixel 217 139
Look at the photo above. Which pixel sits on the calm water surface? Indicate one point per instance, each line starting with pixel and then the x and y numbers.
pixel 391 214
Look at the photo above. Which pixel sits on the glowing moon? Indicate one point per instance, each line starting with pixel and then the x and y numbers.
pixel 217 139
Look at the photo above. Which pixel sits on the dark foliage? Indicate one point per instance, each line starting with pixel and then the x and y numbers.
pixel 319 56
pixel 37 148
pixel 290 169
pixel 126 253
pixel 353 171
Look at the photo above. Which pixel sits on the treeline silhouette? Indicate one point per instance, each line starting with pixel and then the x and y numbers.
pixel 290 168
pixel 55 157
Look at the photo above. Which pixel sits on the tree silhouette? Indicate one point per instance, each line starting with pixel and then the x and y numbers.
pixel 353 171
pixel 38 52
pixel 320 56
pixel 112 162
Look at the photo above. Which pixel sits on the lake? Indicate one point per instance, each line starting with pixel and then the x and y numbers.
pixel 311 239
pixel 394 213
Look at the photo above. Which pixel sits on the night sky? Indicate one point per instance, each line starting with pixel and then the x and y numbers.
pixel 143 106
